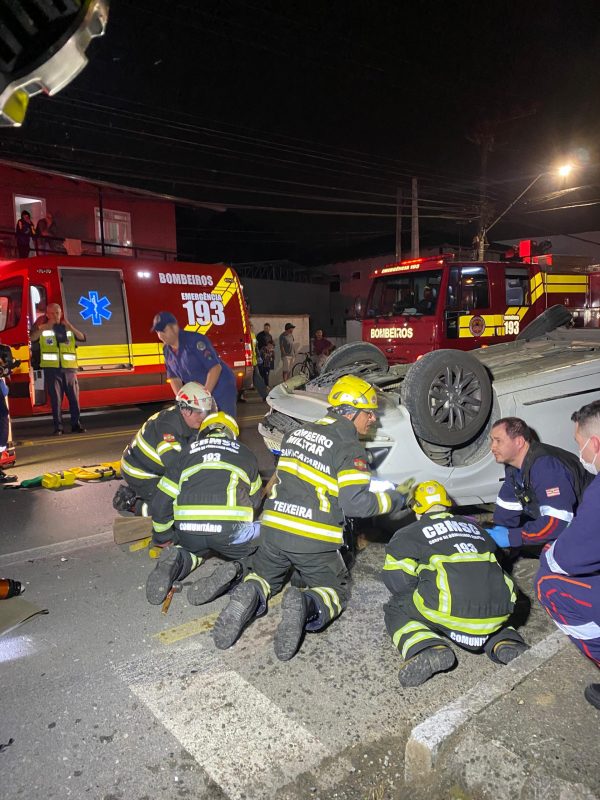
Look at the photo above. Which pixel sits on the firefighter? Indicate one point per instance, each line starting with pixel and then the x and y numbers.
pixel 206 501
pixel 542 487
pixel 322 476
pixel 157 445
pixel 568 581
pixel 445 584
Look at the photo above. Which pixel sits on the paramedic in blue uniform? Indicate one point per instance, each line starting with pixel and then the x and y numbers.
pixel 568 581
pixel 542 487
pixel 190 356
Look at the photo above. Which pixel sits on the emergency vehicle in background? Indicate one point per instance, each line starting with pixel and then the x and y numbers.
pixel 426 304
pixel 113 301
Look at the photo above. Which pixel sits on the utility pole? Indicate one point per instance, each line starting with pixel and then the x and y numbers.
pixel 414 228
pixel 398 224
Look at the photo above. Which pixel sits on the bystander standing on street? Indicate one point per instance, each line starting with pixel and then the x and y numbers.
pixel 58 359
pixel 321 349
pixel 287 349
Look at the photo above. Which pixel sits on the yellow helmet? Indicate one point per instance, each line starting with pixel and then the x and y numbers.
pixel 354 392
pixel 220 421
pixel 427 494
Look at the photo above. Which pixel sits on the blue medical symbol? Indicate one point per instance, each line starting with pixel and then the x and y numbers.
pixel 95 308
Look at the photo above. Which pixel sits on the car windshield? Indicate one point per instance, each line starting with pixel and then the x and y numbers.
pixel 404 293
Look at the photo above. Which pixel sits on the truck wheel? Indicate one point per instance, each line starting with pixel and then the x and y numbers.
pixel 355 352
pixel 448 394
pixel 550 319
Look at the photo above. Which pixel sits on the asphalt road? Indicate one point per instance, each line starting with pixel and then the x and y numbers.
pixel 105 697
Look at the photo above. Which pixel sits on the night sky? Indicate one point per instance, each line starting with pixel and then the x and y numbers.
pixel 297 121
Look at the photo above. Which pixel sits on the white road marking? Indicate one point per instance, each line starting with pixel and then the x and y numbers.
pixel 243 740
pixel 427 738
pixel 56 549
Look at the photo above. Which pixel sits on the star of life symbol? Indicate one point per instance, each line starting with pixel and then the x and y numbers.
pixel 95 308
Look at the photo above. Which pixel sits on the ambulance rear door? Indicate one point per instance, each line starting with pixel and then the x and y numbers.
pixel 94 301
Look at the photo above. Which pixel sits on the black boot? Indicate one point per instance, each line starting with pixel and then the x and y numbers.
pixel 207 589
pixel 234 618
pixel 171 567
pixel 294 611
pixel 592 694
pixel 426 664
pixel 507 650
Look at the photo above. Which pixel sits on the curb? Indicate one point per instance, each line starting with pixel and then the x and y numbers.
pixel 427 739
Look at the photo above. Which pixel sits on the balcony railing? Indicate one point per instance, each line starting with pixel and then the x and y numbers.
pixel 51 245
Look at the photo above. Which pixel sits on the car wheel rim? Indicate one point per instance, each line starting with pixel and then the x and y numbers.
pixel 454 398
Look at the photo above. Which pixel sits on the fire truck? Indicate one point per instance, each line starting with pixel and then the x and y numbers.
pixel 113 301
pixel 425 304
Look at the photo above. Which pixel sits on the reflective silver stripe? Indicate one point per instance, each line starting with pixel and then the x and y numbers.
pixel 552 563
pixel 590 630
pixel 509 506
pixel 559 513
pixel 50 357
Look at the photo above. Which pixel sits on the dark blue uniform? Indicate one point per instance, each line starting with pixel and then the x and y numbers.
pixel 568 581
pixel 192 361
pixel 538 501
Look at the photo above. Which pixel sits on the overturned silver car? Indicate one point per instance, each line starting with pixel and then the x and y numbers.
pixel 436 414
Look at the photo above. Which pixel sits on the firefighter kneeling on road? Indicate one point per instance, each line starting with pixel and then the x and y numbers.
pixel 446 584
pixel 322 476
pixel 206 501
pixel 157 445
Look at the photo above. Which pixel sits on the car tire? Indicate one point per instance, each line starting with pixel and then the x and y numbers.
pixel 353 353
pixel 550 319
pixel 448 394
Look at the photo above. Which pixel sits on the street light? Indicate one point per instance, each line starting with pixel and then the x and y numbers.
pixel 563 171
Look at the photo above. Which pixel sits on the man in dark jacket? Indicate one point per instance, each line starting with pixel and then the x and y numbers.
pixel 568 581
pixel 542 487
pixel 322 477
pixel 157 445
pixel 206 501
pixel 445 584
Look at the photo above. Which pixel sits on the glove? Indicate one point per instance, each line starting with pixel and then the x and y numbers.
pixel 124 500
pixel 500 535
pixel 406 487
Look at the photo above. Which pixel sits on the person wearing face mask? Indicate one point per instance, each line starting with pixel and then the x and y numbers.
pixel 542 488
pixel 568 580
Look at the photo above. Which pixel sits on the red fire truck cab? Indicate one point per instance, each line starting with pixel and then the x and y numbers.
pixel 113 301
pixel 431 303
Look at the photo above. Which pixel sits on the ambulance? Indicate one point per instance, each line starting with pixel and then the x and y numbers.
pixel 425 304
pixel 113 301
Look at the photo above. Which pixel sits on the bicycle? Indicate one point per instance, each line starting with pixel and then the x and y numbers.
pixel 305 367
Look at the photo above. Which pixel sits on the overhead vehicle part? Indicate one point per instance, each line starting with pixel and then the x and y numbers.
pixel 42 48
pixel 549 320
pixel 448 394
pixel 355 353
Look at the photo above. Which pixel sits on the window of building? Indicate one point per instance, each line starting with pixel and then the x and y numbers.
pixel 356 276
pixel 117 232
pixel 35 205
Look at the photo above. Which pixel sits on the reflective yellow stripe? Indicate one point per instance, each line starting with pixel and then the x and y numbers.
pixel 480 627
pixel 384 501
pixel 237 513
pixel 161 527
pixel 408 565
pixel 266 587
pixel 215 465
pixel 408 628
pixel 416 638
pixel 315 477
pixel 327 593
pixel 348 477
pixel 312 530
pixel 163 447
pixel 256 485
pixel 129 469
pixel 168 486
pixel 326 599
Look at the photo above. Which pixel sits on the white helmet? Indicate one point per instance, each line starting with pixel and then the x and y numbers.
pixel 194 397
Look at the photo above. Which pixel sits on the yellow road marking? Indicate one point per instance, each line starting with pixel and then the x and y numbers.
pixel 199 625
